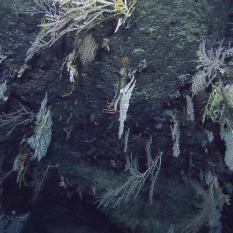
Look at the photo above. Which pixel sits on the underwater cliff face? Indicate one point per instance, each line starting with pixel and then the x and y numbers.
pixel 64 168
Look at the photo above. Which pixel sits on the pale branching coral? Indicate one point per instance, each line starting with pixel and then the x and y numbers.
pixel 41 138
pixel 189 108
pixel 87 49
pixel 124 97
pixel 215 105
pixel 10 121
pixel 212 201
pixel 2 58
pixel 40 179
pixel 3 89
pixel 227 136
pixel 64 16
pixel 199 82
pixel 211 61
pixel 210 65
pixel 135 182
pixel 175 132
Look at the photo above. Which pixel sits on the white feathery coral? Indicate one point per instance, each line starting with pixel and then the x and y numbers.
pixel 41 138
pixel 125 95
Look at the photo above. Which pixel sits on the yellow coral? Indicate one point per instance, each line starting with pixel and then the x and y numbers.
pixel 214 105
pixel 118 5
pixel 125 61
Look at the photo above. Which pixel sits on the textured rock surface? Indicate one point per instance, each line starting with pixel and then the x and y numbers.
pixel 165 35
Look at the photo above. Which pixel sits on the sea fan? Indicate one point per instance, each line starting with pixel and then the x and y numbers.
pixel 125 93
pixel 41 138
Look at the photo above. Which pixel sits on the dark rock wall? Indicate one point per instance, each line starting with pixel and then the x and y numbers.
pixel 164 35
